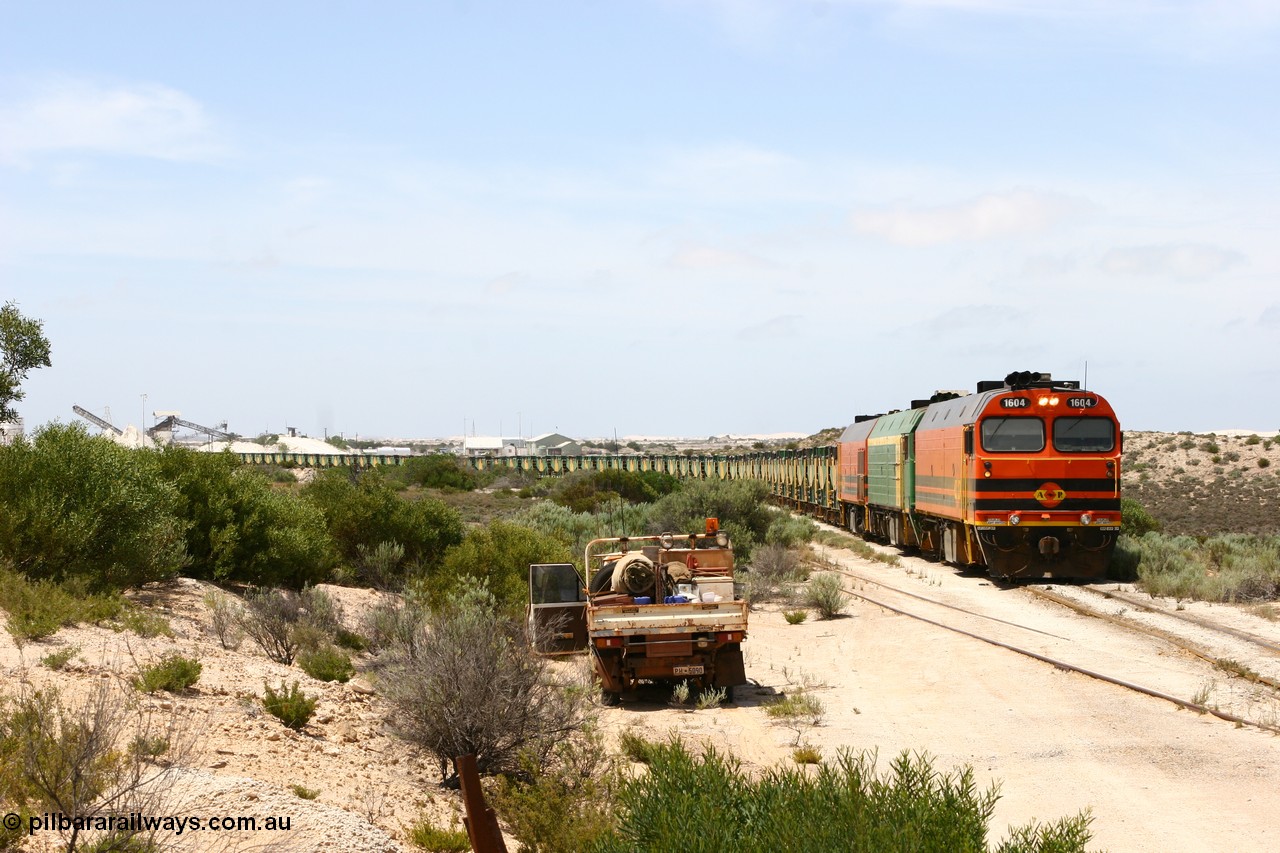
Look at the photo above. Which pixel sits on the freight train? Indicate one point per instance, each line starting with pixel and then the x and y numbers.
pixel 1022 478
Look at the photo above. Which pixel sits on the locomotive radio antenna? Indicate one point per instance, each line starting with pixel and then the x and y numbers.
pixel 1086 374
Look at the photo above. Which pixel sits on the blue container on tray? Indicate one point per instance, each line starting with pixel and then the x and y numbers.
pixel 643 599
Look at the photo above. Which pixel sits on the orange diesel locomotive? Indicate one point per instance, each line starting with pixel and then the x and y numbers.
pixel 1022 477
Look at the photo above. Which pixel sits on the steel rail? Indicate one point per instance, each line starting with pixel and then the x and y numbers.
pixel 1239 634
pixel 884 585
pixel 1070 667
pixel 1174 639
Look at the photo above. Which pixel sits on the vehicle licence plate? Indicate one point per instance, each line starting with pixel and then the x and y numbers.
pixel 687 670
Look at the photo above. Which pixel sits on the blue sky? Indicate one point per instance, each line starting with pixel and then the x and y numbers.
pixel 672 217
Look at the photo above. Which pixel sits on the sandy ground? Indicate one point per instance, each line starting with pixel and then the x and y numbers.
pixel 1153 776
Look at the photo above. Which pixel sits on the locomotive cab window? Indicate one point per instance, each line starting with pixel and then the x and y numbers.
pixel 1012 435
pixel 1084 435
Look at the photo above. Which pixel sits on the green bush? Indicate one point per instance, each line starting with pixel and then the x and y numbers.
pixel 327 664
pixel 302 792
pixel 427 836
pixel 270 618
pixel 789 530
pixel 1135 520
pixel 290 706
pixel 844 805
pixel 172 672
pixel 59 659
pixel 565 803
pixel 240 529
pixel 739 504
pixel 497 555
pixel 1264 462
pixel 1228 567
pixel 369 512
pixel 795 617
pixel 144 623
pixel 440 471
pixel 592 491
pixel 73 506
pixel 37 609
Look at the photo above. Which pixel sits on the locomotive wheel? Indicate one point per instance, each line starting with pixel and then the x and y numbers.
pixel 610 698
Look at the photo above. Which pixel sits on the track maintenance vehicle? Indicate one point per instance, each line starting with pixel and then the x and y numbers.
pixel 655 608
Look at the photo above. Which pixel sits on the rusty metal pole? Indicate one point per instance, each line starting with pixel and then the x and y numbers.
pixel 480 820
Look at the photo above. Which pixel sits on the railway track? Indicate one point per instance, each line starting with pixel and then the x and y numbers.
pixel 1199 707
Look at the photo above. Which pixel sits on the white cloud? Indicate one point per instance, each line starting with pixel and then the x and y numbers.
pixel 1270 317
pixel 145 120
pixel 987 217
pixel 1181 260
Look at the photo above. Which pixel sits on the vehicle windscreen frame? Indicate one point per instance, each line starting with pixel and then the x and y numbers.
pixel 1013 441
pixel 1060 441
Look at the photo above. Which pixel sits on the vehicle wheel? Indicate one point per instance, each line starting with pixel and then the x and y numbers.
pixel 728 695
pixel 610 698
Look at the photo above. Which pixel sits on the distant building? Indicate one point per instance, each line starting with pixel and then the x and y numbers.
pixel 10 430
pixel 554 444
pixel 481 445
pixel 548 444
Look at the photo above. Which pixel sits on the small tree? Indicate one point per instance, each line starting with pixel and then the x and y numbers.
pixel 86 760
pixel 472 685
pixel 270 618
pixel 23 347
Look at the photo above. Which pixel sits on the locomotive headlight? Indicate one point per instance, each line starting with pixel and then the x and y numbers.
pixel 1053 401
pixel 1085 518
pixel 1044 401
pixel 1015 519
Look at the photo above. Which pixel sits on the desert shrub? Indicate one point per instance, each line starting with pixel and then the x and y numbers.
pixel 144 623
pixel 498 555
pixel 226 615
pixel 826 595
pixel 565 804
pixel 807 754
pixel 739 504
pixel 1210 447
pixel 425 835
pixel 72 505
pixel 789 530
pixel 774 570
pixel 1186 444
pixel 1134 519
pixel 391 624
pixel 844 805
pixel 173 672
pixel 636 747
pixel 59 659
pixel 269 619
pixel 368 512
pixel 1228 567
pixel 1253 439
pixel 795 617
pixel 290 706
pixel 379 566
pixel 37 609
pixel 440 471
pixel 74 758
pixel 592 491
pixel 472 684
pixel 1125 559
pixel 711 697
pixel 574 529
pixel 321 610
pixel 1264 462
pixel 302 792
pixel 326 664
pixel 239 528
